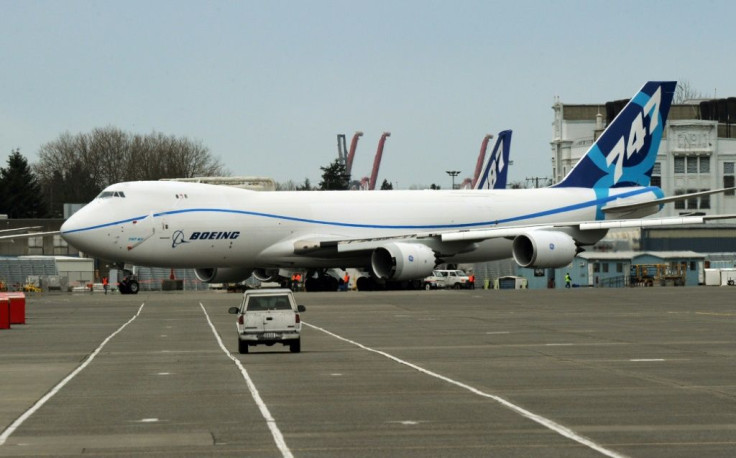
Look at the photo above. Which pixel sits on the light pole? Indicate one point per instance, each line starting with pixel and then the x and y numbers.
pixel 453 174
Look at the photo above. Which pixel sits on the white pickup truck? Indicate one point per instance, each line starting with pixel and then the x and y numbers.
pixel 268 317
pixel 447 279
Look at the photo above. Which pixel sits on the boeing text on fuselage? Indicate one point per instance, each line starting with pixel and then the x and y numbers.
pixel 179 237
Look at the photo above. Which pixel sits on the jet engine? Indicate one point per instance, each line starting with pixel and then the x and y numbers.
pixel 402 261
pixel 544 249
pixel 222 274
pixel 264 275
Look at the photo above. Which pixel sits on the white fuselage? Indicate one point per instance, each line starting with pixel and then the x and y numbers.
pixel 174 224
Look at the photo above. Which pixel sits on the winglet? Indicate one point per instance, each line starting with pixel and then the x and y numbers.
pixel 625 153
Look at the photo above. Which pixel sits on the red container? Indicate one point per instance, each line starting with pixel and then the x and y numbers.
pixel 17 307
pixel 4 313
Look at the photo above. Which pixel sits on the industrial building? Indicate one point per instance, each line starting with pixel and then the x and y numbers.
pixel 622 268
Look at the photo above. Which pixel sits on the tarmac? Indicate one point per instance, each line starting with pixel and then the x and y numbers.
pixel 640 372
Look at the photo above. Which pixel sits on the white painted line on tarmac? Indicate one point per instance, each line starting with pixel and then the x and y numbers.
pixel 19 421
pixel 556 427
pixel 646 360
pixel 270 421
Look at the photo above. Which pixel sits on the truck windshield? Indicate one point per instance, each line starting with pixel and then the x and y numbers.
pixel 280 302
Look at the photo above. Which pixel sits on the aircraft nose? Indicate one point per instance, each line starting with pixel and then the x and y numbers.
pixel 72 228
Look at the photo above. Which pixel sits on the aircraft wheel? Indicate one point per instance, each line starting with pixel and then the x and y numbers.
pixel 364 284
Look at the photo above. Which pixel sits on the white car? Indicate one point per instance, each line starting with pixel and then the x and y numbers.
pixel 268 317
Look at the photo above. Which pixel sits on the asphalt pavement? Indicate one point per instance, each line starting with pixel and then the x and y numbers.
pixel 641 372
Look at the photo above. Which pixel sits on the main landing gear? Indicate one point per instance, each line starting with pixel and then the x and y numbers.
pixel 320 280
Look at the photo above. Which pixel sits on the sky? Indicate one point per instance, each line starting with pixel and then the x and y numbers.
pixel 267 85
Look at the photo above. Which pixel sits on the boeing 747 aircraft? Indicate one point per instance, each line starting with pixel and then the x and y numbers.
pixel 227 233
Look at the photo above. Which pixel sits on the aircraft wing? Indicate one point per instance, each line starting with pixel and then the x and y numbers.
pixel 325 245
pixel 28 235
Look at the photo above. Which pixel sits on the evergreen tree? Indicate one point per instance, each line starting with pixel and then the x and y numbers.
pixel 334 177
pixel 20 193
pixel 386 185
pixel 307 186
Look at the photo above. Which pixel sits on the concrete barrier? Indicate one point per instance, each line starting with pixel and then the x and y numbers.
pixel 17 306
pixel 4 313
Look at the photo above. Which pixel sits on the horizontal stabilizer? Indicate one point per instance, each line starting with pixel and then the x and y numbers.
pixel 634 206
pixel 654 222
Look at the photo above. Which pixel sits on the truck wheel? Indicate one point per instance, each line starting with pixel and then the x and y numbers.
pixel 295 346
pixel 457 286
pixel 133 287
pixel 242 347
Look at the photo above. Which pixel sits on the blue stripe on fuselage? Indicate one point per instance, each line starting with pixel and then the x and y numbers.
pixel 598 202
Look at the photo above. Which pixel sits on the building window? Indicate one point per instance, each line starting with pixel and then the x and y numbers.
pixel 620 267
pixel 728 182
pixel 692 165
pixel 596 267
pixel 704 165
pixel 728 177
pixel 605 267
pixel 692 202
pixel 679 165
pixel 656 175
pixel 693 265
pixel 679 204
pixel 705 200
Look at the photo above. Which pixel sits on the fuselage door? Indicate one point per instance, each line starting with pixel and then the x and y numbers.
pixel 139 230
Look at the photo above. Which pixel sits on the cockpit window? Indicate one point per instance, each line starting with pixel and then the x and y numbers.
pixel 107 194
